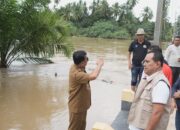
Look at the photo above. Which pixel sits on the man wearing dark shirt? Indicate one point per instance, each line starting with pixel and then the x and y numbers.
pixel 176 102
pixel 137 52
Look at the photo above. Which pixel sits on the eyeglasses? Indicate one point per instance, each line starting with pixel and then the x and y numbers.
pixel 86 58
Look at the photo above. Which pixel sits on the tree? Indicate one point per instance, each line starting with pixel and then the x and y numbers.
pixel 104 10
pixel 131 3
pixel 147 14
pixel 126 18
pixel 166 25
pixel 115 10
pixel 29 31
pixel 65 12
pixel 177 26
pixel 126 13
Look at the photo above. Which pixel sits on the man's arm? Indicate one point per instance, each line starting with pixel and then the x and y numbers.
pixel 175 88
pixel 157 112
pixel 159 100
pixel 177 94
pixel 93 75
pixel 129 61
pixel 167 53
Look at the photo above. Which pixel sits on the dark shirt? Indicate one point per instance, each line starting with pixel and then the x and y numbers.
pixel 175 88
pixel 139 52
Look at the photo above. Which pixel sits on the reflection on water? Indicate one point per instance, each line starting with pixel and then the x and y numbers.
pixel 32 97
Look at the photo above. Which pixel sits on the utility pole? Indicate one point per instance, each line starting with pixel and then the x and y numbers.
pixel 158 24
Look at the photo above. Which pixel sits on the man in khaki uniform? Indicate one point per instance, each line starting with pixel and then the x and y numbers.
pixel 79 90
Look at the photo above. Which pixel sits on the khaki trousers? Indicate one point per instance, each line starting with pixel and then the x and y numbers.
pixel 77 121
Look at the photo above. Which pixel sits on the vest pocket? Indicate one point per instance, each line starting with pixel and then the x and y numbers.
pixel 147 106
pixel 146 112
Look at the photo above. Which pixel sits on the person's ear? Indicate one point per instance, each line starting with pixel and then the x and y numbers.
pixel 159 63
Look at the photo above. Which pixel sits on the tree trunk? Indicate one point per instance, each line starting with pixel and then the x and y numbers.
pixel 3 63
pixel 158 24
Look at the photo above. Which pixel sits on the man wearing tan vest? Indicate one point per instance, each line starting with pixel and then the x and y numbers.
pixel 79 90
pixel 150 109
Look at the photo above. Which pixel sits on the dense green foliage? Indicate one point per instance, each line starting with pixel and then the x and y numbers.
pixel 29 31
pixel 116 21
pixel 104 29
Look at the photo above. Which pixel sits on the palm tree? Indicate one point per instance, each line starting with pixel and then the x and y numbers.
pixel 66 12
pixel 131 3
pixel 147 14
pixel 177 26
pixel 100 10
pixel 30 32
pixel 105 10
pixel 126 8
pixel 115 10
pixel 165 21
pixel 94 6
pixel 79 12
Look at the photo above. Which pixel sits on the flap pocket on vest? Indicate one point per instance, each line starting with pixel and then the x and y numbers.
pixel 146 100
pixel 146 95
pixel 145 113
pixel 147 106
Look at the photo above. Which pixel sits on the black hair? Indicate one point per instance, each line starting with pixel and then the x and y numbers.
pixel 177 37
pixel 155 48
pixel 158 56
pixel 79 56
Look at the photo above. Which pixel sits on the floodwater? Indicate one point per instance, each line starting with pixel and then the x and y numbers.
pixel 34 97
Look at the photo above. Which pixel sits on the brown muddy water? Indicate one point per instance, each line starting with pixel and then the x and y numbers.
pixel 33 98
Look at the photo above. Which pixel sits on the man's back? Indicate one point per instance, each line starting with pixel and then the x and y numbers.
pixel 79 90
pixel 168 73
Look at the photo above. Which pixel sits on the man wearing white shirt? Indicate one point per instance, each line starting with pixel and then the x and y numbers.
pixel 150 109
pixel 172 56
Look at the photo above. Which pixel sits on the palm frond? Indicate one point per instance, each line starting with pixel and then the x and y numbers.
pixel 30 29
pixel 34 60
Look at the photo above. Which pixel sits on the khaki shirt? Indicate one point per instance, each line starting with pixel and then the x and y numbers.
pixel 79 90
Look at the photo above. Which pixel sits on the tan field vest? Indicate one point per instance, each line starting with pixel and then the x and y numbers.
pixel 141 108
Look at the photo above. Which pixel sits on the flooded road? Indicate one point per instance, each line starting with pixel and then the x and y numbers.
pixel 33 97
